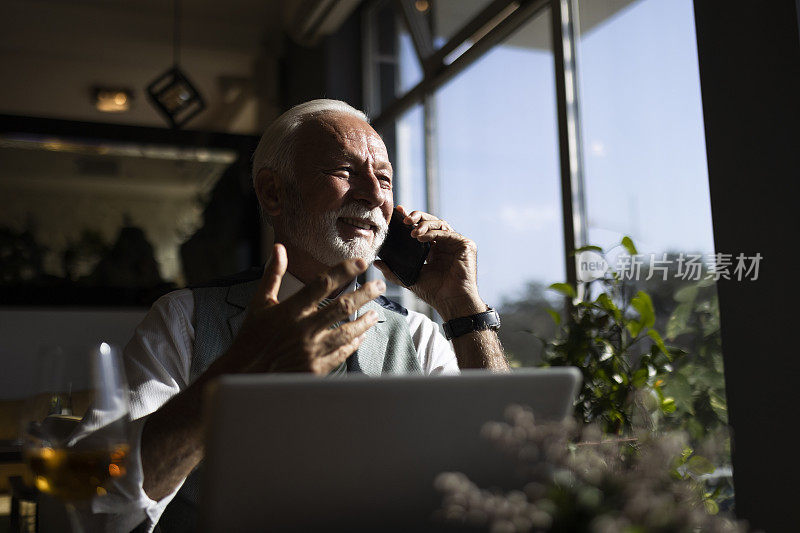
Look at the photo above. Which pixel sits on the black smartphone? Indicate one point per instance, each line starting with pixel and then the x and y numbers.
pixel 402 253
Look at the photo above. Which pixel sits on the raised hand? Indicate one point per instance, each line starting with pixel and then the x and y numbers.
pixel 296 335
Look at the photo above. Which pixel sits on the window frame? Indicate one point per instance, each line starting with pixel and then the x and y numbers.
pixel 491 26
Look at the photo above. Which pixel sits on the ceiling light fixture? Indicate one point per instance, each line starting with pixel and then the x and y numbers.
pixel 172 93
pixel 112 100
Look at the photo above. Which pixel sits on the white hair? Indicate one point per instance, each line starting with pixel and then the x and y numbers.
pixel 275 149
pixel 315 234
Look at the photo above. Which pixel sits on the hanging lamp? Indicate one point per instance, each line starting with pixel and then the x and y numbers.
pixel 173 95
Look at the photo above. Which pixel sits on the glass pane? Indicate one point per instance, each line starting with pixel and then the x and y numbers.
pixel 392 62
pixel 410 68
pixel 643 126
pixel 381 56
pixel 410 160
pixel 646 177
pixel 449 16
pixel 499 179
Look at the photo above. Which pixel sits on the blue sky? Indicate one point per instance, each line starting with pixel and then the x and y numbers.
pixel 644 149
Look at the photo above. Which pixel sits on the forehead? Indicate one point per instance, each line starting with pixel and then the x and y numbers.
pixel 340 134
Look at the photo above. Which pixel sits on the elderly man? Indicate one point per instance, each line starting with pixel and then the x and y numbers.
pixel 324 181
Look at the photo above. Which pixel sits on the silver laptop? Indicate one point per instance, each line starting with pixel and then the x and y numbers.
pixel 300 453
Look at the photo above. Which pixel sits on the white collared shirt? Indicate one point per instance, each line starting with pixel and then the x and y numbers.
pixel 157 362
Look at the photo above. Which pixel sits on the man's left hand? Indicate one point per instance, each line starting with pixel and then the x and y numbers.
pixel 448 280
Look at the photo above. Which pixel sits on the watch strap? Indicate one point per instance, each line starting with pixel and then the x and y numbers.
pixel 461 326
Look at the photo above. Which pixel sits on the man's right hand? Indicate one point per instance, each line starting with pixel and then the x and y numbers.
pixel 295 335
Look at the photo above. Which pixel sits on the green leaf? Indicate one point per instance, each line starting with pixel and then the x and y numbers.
pixel 588 248
pixel 668 405
pixel 677 353
pixel 696 429
pixel 555 316
pixel 634 327
pixel 719 406
pixel 686 452
pixel 644 306
pixel 660 359
pixel 564 288
pixel 607 303
pixel 678 320
pixel 711 506
pixel 711 325
pixel 627 243
pixel 699 465
pixel 677 386
pixel 639 378
pixel 706 283
pixel 653 334
pixel 686 294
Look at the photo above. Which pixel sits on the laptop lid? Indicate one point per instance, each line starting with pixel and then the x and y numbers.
pixel 299 452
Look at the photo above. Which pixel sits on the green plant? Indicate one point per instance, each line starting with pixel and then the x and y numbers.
pixel 650 428
pixel 611 337
pixel 698 383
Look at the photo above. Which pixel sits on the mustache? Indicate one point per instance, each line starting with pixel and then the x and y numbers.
pixel 373 216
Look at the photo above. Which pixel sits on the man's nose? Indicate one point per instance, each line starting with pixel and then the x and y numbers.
pixel 367 187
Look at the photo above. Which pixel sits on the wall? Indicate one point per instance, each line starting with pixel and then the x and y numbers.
pixel 749 56
pixel 332 69
pixel 23 331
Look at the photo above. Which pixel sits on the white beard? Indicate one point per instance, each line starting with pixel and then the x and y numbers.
pixel 318 235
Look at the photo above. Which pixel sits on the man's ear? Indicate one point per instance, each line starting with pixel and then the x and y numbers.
pixel 269 191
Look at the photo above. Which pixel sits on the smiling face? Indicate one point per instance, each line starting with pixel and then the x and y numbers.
pixel 340 201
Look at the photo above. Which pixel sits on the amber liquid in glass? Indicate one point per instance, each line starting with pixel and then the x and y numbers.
pixel 75 474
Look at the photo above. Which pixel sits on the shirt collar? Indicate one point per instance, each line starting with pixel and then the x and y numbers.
pixel 290 285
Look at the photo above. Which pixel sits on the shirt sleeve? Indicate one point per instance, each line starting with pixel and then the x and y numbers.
pixel 435 353
pixel 157 361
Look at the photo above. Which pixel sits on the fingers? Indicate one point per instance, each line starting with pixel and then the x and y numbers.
pixel 324 365
pixel 440 235
pixel 423 222
pixel 333 339
pixel 327 282
pixel 427 225
pixel 327 351
pixel 342 342
pixel 347 305
pixel 267 293
pixel 414 217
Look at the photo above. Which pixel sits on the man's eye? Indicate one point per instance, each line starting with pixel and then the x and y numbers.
pixel 341 172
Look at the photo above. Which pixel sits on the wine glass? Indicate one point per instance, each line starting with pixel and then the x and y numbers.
pixel 75 425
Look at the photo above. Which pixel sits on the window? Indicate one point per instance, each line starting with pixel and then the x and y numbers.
pixel 644 147
pixel 485 111
pixel 449 16
pixel 645 176
pixel 498 178
pixel 485 116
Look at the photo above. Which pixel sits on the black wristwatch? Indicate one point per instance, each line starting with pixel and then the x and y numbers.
pixel 467 324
